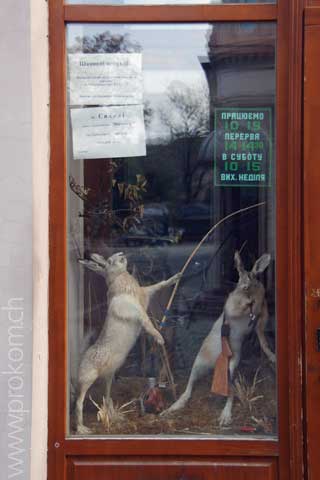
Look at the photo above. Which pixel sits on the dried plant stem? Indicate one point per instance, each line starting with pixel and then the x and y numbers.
pixel 166 364
pixel 107 417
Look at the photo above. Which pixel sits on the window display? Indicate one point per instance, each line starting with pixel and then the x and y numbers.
pixel 171 229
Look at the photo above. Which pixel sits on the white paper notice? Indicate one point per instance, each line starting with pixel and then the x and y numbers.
pixel 108 132
pixel 105 79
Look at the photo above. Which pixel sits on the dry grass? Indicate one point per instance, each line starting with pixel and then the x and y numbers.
pixel 114 415
pixel 264 423
pixel 247 392
pixel 199 417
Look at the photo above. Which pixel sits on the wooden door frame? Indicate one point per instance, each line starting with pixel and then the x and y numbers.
pixel 311 240
pixel 288 14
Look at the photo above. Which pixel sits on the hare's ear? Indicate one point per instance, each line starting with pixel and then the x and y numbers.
pixel 238 262
pixel 261 264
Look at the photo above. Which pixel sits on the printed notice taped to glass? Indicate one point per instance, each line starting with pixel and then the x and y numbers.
pixel 105 79
pixel 108 132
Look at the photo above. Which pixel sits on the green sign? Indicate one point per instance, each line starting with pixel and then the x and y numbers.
pixel 243 147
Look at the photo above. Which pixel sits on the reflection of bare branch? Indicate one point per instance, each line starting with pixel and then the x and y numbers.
pixel 105 42
pixel 98 205
pixel 186 117
pixel 186 113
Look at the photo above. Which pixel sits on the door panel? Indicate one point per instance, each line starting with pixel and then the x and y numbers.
pixel 237 65
pixel 178 469
pixel 312 241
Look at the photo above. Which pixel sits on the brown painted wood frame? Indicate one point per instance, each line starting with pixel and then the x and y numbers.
pixel 289 448
pixel 312 233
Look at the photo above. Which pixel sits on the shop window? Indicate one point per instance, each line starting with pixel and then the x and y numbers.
pixel 171 131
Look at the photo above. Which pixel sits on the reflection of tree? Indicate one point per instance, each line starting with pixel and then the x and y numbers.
pixel 186 113
pixel 111 206
pixel 105 42
pixel 186 116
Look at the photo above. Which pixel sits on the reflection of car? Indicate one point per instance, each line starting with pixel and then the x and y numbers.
pixel 155 219
pixel 194 218
pixel 153 228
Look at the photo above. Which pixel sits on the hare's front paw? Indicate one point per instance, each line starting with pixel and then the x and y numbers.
pixel 159 338
pixel 176 277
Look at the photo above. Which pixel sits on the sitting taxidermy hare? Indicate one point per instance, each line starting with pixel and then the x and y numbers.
pixel 245 309
pixel 126 316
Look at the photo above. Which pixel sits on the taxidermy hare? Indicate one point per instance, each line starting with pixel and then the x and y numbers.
pixel 126 316
pixel 245 309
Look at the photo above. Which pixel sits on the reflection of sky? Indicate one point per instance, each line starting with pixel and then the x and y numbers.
pixel 170 53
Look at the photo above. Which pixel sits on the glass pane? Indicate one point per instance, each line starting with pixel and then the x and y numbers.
pixel 171 219
pixel 163 2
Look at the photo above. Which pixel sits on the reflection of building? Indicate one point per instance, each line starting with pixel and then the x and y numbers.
pixel 242 59
pixel 240 70
pixel 240 65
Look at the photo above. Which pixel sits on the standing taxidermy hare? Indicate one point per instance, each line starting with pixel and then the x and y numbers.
pixel 245 309
pixel 126 316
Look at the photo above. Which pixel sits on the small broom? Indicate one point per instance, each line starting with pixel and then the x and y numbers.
pixel 220 382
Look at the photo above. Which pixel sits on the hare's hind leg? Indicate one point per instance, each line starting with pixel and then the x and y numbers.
pixel 85 382
pixel 200 367
pixel 109 401
pixel 226 414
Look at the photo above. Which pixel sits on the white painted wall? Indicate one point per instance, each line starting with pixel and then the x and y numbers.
pixel 15 239
pixel 24 139
pixel 40 158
